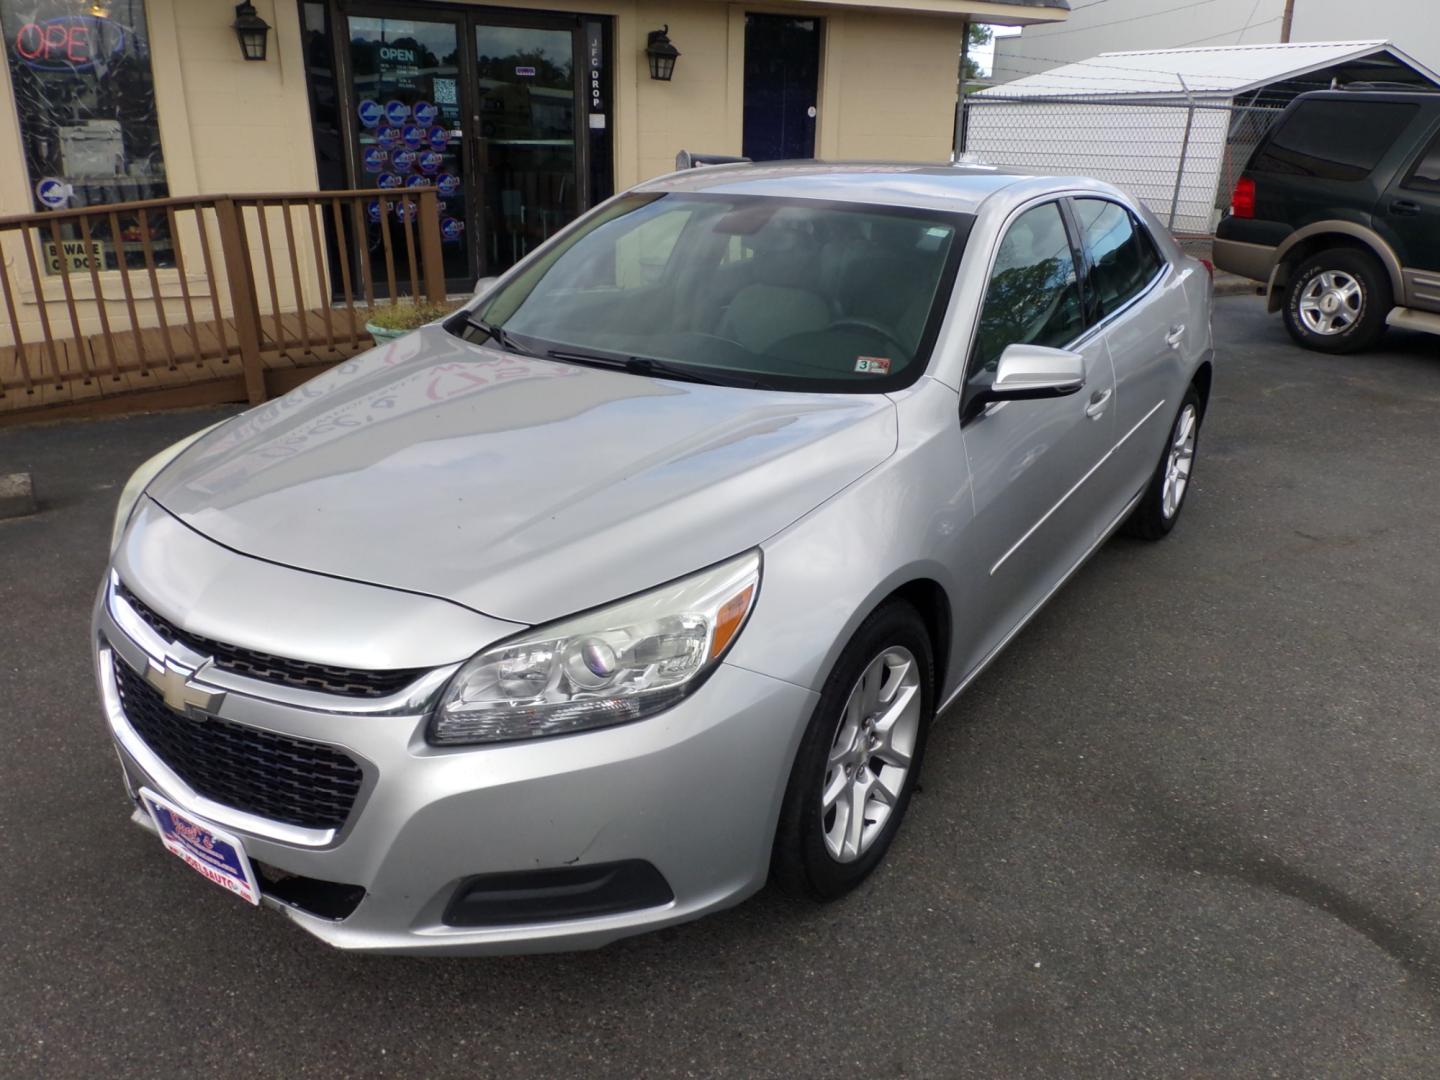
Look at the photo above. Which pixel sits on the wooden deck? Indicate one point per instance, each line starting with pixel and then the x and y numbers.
pixel 155 368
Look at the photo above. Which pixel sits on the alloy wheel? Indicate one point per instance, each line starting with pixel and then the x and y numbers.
pixel 1178 462
pixel 871 754
pixel 1331 302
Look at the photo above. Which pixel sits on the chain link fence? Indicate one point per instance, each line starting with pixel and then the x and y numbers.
pixel 1180 157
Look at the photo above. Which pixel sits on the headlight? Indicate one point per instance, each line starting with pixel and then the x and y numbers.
pixel 140 480
pixel 608 666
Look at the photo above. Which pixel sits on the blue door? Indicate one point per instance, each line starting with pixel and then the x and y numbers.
pixel 782 77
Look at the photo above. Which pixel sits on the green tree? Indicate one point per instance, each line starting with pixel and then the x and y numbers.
pixel 979 34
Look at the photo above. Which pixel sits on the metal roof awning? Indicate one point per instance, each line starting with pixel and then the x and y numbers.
pixel 1218 72
pixel 996 12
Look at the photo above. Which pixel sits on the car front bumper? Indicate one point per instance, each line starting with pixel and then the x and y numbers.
pixel 694 791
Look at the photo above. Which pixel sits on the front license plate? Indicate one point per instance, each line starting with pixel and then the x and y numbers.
pixel 212 853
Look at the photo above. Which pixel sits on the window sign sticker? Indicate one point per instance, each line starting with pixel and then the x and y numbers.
pixel 597 121
pixel 418 181
pixel 445 93
pixel 450 230
pixel 872 365
pixel 405 210
pixel 373 211
pixel 389 137
pixel 388 180
pixel 370 113
pixel 403 159
pixel 397 112
pixel 424 112
pixel 414 135
pixel 53 193
pixel 375 159
pixel 525 72
pixel 448 183
pixel 439 138
pixel 430 161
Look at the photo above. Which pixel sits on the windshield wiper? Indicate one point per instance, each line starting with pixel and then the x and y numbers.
pixel 648 365
pixel 497 334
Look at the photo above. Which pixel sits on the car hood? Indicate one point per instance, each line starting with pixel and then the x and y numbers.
pixel 524 489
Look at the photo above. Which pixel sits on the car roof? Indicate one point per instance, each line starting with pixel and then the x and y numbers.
pixel 1423 97
pixel 954 188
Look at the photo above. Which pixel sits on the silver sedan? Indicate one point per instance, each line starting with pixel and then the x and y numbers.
pixel 638 582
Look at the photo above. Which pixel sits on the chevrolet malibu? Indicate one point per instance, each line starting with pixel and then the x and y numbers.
pixel 637 582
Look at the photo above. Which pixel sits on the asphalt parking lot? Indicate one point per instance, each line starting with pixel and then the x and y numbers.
pixel 1189 825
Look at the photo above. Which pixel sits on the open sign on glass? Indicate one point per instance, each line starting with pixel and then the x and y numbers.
pixel 68 42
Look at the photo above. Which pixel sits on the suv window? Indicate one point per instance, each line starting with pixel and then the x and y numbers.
pixel 1123 259
pixel 1333 140
pixel 1034 293
pixel 1426 175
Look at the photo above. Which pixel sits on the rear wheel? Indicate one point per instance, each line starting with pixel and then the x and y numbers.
pixel 857 763
pixel 1164 498
pixel 1337 301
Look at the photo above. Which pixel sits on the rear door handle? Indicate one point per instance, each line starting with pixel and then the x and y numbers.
pixel 1176 334
pixel 1405 208
pixel 1098 400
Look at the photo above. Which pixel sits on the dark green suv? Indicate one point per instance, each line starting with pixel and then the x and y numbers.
pixel 1338 213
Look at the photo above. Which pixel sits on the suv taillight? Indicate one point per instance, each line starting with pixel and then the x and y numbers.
pixel 1242 202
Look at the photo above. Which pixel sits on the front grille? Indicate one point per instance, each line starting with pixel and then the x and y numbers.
pixel 272 776
pixel 301 674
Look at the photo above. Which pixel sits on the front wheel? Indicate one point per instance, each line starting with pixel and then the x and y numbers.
pixel 857 763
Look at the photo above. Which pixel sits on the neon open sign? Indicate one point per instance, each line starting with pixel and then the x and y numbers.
pixel 68 42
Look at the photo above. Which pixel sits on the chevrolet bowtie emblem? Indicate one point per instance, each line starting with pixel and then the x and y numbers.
pixel 179 692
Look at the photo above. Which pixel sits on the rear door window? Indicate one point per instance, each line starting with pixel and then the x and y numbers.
pixel 1334 140
pixel 1426 174
pixel 1121 255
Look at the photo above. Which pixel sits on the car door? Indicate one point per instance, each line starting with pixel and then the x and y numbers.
pixel 1408 216
pixel 1030 461
pixel 1141 310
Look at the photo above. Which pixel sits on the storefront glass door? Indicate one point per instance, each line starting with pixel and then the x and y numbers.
pixel 526 143
pixel 410 125
pixel 484 105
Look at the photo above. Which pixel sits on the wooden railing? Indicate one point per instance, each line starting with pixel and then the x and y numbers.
pixel 202 299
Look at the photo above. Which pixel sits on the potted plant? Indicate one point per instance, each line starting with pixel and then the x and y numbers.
pixel 388 323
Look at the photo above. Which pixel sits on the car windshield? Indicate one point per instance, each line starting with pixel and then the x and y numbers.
pixel 751 290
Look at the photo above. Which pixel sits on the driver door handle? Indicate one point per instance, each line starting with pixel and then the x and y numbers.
pixel 1098 400
pixel 1177 332
pixel 1405 207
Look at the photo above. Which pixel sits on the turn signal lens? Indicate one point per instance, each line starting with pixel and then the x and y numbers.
pixel 728 619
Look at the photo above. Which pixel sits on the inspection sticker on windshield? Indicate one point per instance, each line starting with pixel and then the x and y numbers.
pixel 872 365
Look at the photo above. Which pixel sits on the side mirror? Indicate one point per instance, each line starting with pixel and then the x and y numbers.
pixel 483 285
pixel 1028 372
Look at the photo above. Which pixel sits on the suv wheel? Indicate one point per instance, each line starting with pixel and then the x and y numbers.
pixel 1337 301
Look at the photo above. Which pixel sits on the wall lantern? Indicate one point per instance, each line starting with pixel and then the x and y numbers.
pixel 661 53
pixel 251 30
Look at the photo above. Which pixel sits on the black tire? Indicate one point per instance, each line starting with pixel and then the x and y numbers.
pixel 1365 323
pixel 1150 519
pixel 801 865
